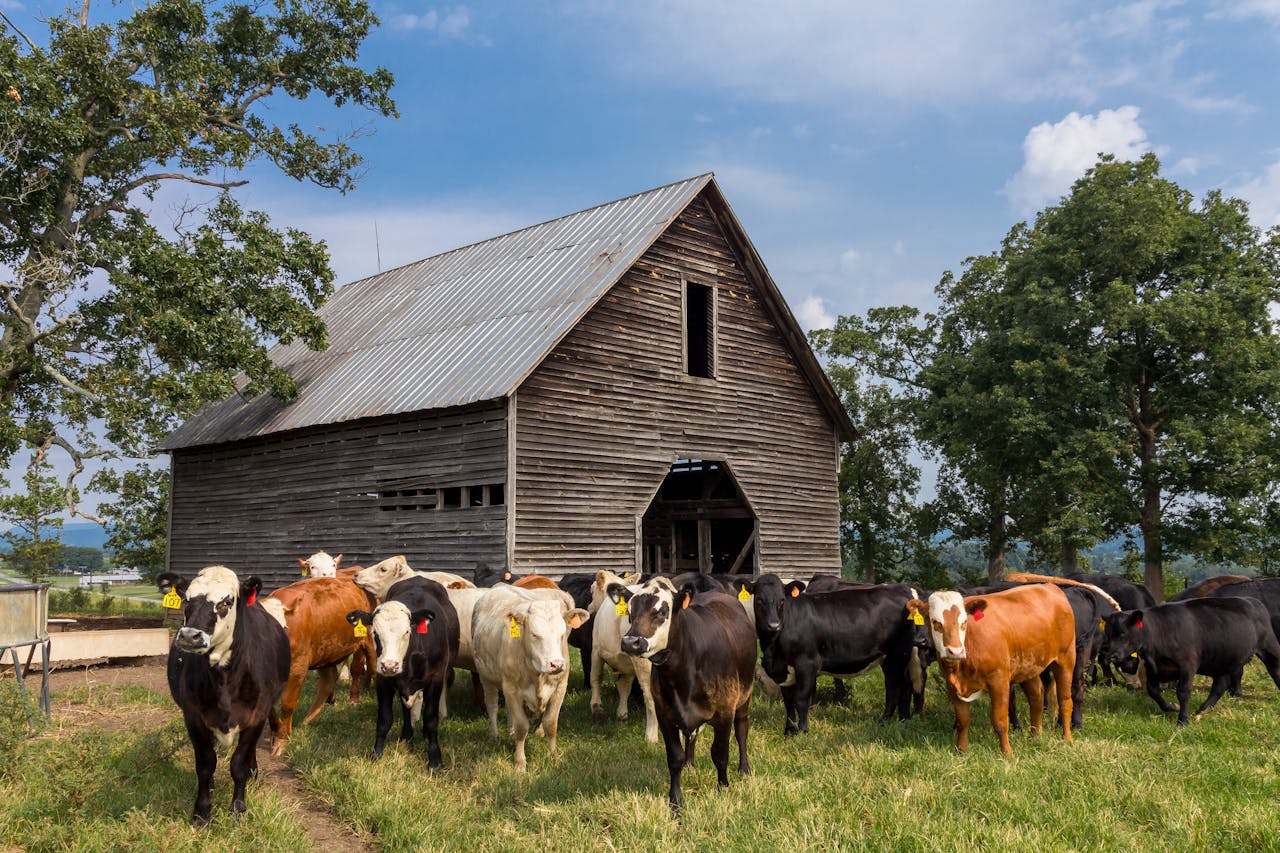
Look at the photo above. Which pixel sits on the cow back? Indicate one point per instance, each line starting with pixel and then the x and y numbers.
pixel 316 618
pixel 1025 629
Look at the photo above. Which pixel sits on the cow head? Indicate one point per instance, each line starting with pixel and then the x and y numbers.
pixel 542 628
pixel 320 565
pixel 380 577
pixel 947 615
pixel 652 607
pixel 770 596
pixel 485 576
pixel 1124 638
pixel 211 603
pixel 393 626
pixel 600 588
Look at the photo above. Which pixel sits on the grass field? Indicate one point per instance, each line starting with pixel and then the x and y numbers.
pixel 1132 780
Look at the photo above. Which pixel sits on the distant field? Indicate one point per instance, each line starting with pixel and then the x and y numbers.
pixel 1132 781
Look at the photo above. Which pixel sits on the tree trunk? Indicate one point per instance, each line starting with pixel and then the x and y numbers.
pixel 1152 549
pixel 997 538
pixel 867 554
pixel 1070 556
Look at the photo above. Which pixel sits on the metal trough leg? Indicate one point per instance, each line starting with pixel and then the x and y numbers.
pixel 19 671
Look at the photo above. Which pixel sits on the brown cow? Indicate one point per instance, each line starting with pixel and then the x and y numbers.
pixel 535 582
pixel 320 638
pixel 985 643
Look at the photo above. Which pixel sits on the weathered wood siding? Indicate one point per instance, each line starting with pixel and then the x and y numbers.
pixel 258 506
pixel 599 423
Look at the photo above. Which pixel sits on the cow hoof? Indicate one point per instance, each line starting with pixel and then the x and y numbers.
pixel 597 713
pixel 277 748
pixel 199 821
pixel 622 718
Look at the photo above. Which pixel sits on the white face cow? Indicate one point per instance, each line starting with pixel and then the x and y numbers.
pixel 380 577
pixel 320 565
pixel 392 628
pixel 210 614
pixel 543 630
pixel 652 606
pixel 948 624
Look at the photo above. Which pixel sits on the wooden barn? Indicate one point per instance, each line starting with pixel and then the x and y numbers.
pixel 620 387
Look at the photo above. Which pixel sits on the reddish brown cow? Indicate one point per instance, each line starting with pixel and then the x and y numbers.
pixel 535 582
pixel 320 638
pixel 985 643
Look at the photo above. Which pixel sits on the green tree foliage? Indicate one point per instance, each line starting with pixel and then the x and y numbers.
pixel 136 523
pixel 79 556
pixel 115 324
pixel 33 523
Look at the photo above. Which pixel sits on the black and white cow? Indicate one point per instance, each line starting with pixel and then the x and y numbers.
pixel 227 667
pixel 703 653
pixel 415 635
pixel 843 633
pixel 1182 639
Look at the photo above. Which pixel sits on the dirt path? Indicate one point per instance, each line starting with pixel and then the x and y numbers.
pixel 324 831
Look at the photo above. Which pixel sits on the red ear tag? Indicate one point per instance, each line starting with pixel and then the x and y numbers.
pixel 422 627
pixel 978 614
pixel 1138 624
pixel 253 598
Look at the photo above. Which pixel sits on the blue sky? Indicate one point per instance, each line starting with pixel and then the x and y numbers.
pixel 866 147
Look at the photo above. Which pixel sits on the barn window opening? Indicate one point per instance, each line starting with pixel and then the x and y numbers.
pixel 497 494
pixel 476 496
pixel 699 330
pixel 451 498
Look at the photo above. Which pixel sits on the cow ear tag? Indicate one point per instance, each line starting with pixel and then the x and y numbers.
pixel 514 628
pixel 621 607
pixel 1133 654
pixel 795 592
pixel 1102 626
pixel 1138 624
pixel 172 600
pixel 743 595
pixel 253 598
pixel 422 627
pixel 917 618
pixel 361 630
pixel 978 614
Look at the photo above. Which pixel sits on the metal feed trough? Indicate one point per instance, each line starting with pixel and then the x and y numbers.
pixel 24 622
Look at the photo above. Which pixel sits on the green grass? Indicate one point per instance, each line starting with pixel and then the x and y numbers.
pixel 1132 780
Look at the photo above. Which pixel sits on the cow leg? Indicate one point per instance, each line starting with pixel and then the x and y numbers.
pixel 386 693
pixel 919 675
pixel 741 725
pixel 1236 685
pixel 431 700
pixel 586 653
pixel 596 673
pixel 806 687
pixel 1014 723
pixel 1219 686
pixel 690 747
pixel 644 674
pixel 897 698
pixel 675 765
pixel 1063 675
pixel 519 721
pixel 243 763
pixel 1077 694
pixel 490 704
pixel 1153 690
pixel 478 694
pixel 289 704
pixel 326 681
pixel 1033 688
pixel 842 689
pixel 1270 659
pixel 206 758
pixel 362 669
pixel 551 716
pixel 625 680
pixel 1184 695
pixel 962 724
pixel 789 702
pixel 720 751
pixel 998 690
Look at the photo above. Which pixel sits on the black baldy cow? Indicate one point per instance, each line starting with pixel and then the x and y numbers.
pixel 1182 639
pixel 703 653
pixel 227 667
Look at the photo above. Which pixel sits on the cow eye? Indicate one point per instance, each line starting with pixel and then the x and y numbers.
pixel 226 602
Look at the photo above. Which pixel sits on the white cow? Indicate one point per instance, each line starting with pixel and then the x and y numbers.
pixel 520 639
pixel 320 565
pixel 610 623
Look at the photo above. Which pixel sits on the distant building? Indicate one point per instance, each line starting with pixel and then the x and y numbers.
pixel 112 578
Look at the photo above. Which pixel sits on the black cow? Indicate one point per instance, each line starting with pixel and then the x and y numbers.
pixel 227 667
pixel 578 585
pixel 485 576
pixel 841 633
pixel 1130 596
pixel 1201 588
pixel 415 634
pixel 703 653
pixel 1182 639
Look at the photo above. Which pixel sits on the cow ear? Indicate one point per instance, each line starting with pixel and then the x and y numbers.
pixel 685 594
pixel 355 617
pixel 305 566
pixel 168 580
pixel 1135 619
pixel 420 619
pixel 337 560
pixel 977 608
pixel 249 588
pixel 795 588
pixel 617 592
pixel 602 578
pixel 915 605
pixel 506 574
pixel 576 617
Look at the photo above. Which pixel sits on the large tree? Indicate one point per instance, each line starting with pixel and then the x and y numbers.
pixel 32 522
pixel 1157 309
pixel 116 323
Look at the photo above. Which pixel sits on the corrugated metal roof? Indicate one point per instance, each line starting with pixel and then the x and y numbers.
pixel 453 329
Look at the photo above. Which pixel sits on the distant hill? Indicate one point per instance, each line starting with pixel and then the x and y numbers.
pixel 84 534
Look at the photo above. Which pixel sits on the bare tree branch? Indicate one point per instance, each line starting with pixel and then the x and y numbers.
pixel 14 27
pixel 77 457
pixel 120 194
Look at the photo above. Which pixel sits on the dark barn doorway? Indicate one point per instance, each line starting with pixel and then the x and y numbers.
pixel 699 521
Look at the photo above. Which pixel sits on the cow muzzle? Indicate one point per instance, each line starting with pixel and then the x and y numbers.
pixel 556 666
pixel 952 653
pixel 193 640
pixel 389 667
pixel 634 645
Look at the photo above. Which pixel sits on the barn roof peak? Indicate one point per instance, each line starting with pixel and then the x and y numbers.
pixel 466 325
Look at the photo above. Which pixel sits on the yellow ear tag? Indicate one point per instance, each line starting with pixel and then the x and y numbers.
pixel 172 600
pixel 1133 654
pixel 917 618
pixel 743 595
pixel 361 630
pixel 1102 626
pixel 621 607
pixel 514 628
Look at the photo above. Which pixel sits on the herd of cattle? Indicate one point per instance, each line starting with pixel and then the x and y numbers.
pixel 690 643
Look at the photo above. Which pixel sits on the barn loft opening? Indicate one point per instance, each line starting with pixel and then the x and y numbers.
pixel 699 329
pixel 699 521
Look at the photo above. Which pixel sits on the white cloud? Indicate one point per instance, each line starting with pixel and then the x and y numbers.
pixel 753 186
pixel 813 314
pixel 1055 155
pixel 849 260
pixel 1263 195
pixel 453 23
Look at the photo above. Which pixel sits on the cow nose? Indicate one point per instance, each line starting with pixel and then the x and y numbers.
pixel 554 666
pixel 192 638
pixel 633 645
pixel 773 624
pixel 955 652
pixel 389 667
